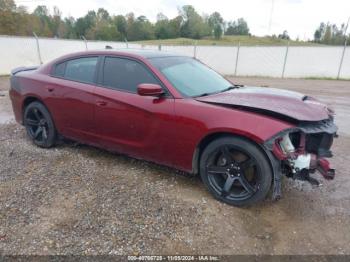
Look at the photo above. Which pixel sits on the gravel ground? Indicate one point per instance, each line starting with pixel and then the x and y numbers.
pixel 76 199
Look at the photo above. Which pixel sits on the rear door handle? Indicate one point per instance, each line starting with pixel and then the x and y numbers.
pixel 101 103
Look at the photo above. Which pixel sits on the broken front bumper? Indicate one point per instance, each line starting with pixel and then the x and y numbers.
pixel 303 150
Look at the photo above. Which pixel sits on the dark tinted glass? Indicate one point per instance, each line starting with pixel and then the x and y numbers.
pixel 126 74
pixel 81 69
pixel 59 69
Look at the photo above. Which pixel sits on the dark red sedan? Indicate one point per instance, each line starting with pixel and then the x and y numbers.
pixel 175 111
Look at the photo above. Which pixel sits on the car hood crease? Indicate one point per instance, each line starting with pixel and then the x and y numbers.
pixel 282 102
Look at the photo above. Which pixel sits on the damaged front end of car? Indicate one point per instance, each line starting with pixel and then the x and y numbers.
pixel 301 151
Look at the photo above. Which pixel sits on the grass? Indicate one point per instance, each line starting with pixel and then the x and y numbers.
pixel 229 41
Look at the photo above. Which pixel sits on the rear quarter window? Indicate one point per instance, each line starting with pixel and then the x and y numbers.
pixel 80 69
pixel 59 69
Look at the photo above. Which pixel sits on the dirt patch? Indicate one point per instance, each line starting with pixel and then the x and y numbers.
pixel 4 83
pixel 76 199
pixel 6 114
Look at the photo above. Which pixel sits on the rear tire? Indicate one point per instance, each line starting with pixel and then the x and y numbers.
pixel 39 125
pixel 235 171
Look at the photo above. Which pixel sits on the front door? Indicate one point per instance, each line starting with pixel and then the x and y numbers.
pixel 127 122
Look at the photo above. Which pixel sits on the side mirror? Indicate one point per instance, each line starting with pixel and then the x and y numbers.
pixel 149 90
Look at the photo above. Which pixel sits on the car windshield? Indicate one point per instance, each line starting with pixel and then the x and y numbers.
pixel 190 77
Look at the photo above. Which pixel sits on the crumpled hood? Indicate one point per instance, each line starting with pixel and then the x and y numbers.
pixel 282 102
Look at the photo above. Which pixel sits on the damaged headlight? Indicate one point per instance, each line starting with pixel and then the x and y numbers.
pixel 303 149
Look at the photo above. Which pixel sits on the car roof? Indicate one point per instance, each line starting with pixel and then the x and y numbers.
pixel 144 53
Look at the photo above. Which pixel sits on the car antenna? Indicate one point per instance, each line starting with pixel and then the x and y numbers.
pixel 108 47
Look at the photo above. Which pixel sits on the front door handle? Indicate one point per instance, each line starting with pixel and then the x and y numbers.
pixel 50 89
pixel 101 103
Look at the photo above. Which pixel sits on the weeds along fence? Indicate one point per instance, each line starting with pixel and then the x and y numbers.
pixel 267 61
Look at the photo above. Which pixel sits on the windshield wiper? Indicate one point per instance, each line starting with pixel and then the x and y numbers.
pixel 231 87
pixel 224 90
pixel 204 94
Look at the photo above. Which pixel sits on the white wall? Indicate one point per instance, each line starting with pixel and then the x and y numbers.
pixel 221 58
pixel 314 61
pixel 252 60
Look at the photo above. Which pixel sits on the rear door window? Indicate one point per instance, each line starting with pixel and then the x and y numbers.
pixel 80 69
pixel 125 74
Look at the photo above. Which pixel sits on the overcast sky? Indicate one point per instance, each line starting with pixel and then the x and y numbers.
pixel 299 17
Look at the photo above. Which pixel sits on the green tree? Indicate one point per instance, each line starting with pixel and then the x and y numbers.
pixel 193 25
pixel 24 21
pixel 7 17
pixel 55 22
pixel 42 12
pixel 327 37
pixel 102 26
pixel 7 5
pixel 330 34
pixel 238 27
pixel 84 24
pixel 216 23
pixel 284 35
pixel 121 24
pixel 162 27
pixel 319 32
pixel 69 30
pixel 175 27
pixel 139 28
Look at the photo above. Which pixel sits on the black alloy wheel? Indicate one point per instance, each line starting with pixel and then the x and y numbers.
pixel 39 125
pixel 236 171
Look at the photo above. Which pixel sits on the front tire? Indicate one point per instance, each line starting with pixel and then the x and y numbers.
pixel 235 171
pixel 39 125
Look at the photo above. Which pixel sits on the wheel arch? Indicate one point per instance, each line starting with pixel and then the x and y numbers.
pixel 206 140
pixel 30 99
pixel 33 98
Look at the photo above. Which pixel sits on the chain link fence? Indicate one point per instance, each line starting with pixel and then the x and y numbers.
pixel 266 61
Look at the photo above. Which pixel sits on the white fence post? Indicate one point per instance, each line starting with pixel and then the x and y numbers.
pixel 38 47
pixel 237 57
pixel 126 42
pixel 195 49
pixel 343 53
pixel 342 58
pixel 85 41
pixel 285 60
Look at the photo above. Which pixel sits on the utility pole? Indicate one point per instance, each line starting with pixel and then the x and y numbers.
pixel 271 14
pixel 344 49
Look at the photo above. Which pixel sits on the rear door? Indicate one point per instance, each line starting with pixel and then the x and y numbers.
pixel 127 122
pixel 72 87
